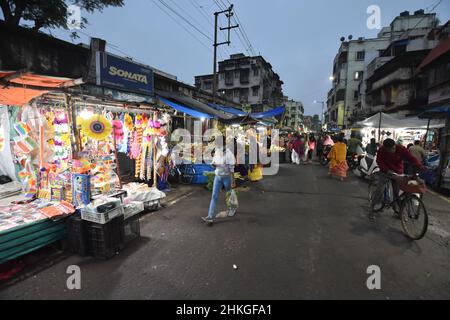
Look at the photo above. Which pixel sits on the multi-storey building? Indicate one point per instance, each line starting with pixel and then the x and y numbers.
pixel 348 73
pixel 391 84
pixel 294 113
pixel 350 99
pixel 246 80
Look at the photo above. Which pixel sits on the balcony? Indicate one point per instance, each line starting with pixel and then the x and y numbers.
pixel 398 75
pixel 375 64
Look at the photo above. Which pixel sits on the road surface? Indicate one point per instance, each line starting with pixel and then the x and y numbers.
pixel 298 235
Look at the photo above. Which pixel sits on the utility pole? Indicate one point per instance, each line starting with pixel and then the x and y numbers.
pixel 229 14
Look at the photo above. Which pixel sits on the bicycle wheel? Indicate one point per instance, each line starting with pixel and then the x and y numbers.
pixel 414 217
pixel 376 198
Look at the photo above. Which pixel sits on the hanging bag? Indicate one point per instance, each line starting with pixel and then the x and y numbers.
pixel 232 200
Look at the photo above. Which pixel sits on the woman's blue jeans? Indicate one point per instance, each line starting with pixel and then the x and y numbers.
pixel 219 181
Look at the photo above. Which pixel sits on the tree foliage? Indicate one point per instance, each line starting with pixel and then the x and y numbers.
pixel 49 13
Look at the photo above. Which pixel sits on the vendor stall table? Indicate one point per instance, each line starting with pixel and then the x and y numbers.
pixel 24 239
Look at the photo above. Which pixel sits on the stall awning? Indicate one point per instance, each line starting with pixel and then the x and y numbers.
pixel 184 109
pixel 269 114
pixel 387 121
pixel 182 99
pixel 18 88
pixel 230 110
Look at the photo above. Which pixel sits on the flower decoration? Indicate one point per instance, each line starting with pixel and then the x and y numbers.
pixel 118 130
pixel 97 127
pixel 128 122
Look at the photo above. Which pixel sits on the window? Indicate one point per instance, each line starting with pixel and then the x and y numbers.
pixel 207 85
pixel 359 75
pixel 356 95
pixel 255 72
pixel 236 93
pixel 245 74
pixel 222 76
pixel 229 80
pixel 255 91
pixel 360 55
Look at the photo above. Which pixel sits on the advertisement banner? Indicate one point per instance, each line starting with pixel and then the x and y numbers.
pixel 122 74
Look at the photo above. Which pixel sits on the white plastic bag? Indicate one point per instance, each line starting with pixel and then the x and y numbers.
pixel 232 200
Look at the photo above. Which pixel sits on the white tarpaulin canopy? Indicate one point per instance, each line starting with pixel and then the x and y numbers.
pixel 392 122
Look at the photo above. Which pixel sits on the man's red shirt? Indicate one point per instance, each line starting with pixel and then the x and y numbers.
pixel 388 161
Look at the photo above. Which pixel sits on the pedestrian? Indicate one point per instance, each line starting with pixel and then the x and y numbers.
pixel 289 146
pixel 224 163
pixel 311 148
pixel 320 146
pixel 328 141
pixel 353 144
pixel 296 150
pixel 372 147
pixel 300 149
pixel 338 159
pixel 418 152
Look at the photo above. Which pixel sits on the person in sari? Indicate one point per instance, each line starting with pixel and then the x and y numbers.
pixel 338 160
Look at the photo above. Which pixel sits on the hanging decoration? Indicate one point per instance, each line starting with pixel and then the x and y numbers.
pixel 97 128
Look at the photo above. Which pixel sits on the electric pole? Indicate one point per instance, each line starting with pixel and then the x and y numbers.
pixel 229 14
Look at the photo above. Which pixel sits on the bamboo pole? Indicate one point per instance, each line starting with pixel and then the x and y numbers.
pixel 426 134
pixel 155 174
pixel 116 155
pixel 379 128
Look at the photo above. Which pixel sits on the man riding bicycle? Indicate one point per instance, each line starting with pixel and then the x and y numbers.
pixel 390 160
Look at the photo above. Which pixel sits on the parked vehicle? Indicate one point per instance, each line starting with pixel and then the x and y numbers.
pixel 353 161
pixel 324 158
pixel 367 167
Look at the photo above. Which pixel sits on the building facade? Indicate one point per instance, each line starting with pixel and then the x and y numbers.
pixel 249 81
pixel 390 84
pixel 351 98
pixel 294 113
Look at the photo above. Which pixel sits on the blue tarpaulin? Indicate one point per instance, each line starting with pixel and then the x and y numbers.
pixel 436 112
pixel 186 110
pixel 268 114
pixel 442 109
pixel 230 110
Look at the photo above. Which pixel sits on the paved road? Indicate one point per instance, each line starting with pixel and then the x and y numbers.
pixel 298 235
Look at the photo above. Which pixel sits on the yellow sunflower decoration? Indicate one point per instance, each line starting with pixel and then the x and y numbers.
pixel 97 127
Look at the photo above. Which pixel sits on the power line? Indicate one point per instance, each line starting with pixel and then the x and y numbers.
pixel 242 35
pixel 420 21
pixel 191 17
pixel 219 5
pixel 181 25
pixel 186 12
pixel 185 20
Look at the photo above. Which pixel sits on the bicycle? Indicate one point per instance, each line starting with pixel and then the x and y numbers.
pixel 408 205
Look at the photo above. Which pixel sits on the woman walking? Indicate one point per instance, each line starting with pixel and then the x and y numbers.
pixel 338 159
pixel 311 148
